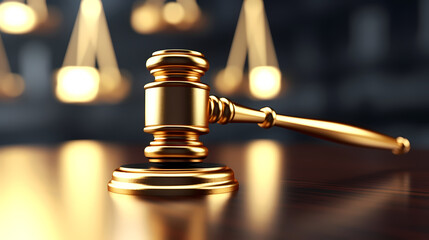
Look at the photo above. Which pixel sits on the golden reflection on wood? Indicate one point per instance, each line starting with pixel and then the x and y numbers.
pixel 27 209
pixel 350 196
pixel 216 205
pixel 133 219
pixel 265 161
pixel 167 218
pixel 81 168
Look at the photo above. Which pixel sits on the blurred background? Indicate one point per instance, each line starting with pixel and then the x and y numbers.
pixel 74 69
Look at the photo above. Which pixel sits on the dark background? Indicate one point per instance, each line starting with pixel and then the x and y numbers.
pixel 360 62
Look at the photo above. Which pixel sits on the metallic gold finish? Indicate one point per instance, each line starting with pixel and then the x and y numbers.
pixel 224 111
pixel 178 111
pixel 181 65
pixel 176 106
pixel 173 179
pixel 180 99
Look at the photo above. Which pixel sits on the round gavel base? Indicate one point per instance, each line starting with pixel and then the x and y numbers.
pixel 173 179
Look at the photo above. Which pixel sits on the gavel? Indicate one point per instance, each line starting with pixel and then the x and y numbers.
pixel 178 109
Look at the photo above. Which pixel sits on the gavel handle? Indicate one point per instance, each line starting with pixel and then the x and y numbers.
pixel 224 111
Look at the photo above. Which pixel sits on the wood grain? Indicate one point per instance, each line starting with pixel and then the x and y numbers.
pixel 286 192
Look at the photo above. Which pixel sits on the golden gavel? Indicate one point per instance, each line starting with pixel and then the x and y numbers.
pixel 178 109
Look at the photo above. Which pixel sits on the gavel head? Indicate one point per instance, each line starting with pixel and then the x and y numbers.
pixel 176 108
pixel 177 113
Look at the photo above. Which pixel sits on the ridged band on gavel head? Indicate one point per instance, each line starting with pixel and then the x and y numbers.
pixel 221 110
pixel 176 106
pixel 177 64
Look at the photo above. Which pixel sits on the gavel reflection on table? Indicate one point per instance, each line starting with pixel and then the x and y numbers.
pixel 178 109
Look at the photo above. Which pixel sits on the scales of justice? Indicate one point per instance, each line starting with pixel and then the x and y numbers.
pixel 178 109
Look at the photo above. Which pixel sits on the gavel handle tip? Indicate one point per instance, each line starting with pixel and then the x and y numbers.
pixel 403 146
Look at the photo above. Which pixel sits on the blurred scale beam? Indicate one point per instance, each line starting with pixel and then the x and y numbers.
pixel 253 35
pixel 230 78
pixel 40 8
pixel 90 43
pixel 11 85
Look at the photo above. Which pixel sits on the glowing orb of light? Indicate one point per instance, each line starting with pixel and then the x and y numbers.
pixel 11 85
pixel 114 85
pixel 17 18
pixel 91 8
pixel 265 82
pixel 228 80
pixel 77 84
pixel 146 18
pixel 174 13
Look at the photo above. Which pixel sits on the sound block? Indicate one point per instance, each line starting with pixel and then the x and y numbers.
pixel 173 179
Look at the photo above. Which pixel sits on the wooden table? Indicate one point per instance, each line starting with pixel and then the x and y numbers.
pixel 286 192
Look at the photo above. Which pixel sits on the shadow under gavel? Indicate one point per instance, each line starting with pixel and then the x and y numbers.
pixel 178 109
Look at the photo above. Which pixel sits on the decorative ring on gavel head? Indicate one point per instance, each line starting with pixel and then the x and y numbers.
pixel 177 64
pixel 221 110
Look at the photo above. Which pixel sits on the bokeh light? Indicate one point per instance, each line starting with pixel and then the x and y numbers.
pixel 265 82
pixel 17 18
pixel 146 18
pixel 11 85
pixel 173 13
pixel 228 80
pixel 77 84
pixel 192 14
pixel 114 85
pixel 91 8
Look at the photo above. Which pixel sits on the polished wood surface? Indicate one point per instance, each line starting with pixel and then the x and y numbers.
pixel 286 192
